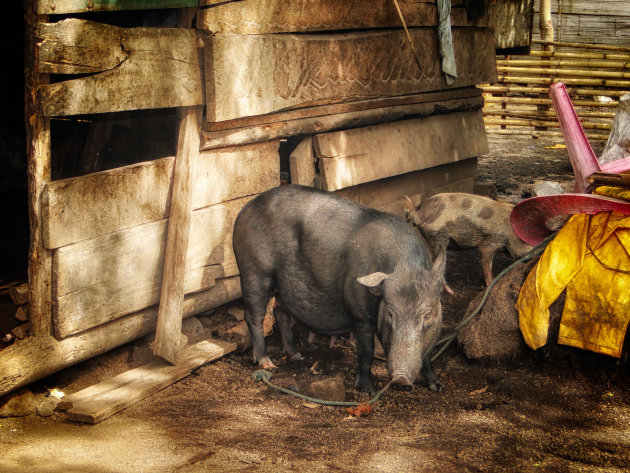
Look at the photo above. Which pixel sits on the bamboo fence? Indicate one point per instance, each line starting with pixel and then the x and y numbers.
pixel 595 75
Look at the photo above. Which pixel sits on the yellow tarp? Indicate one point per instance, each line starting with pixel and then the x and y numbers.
pixel 590 257
pixel 613 191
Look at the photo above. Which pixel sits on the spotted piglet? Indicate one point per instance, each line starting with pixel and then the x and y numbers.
pixel 469 221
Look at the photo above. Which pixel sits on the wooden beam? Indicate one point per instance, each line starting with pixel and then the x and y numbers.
pixel 387 194
pixel 249 75
pixel 140 68
pixel 100 401
pixel 109 276
pixel 133 195
pixel 38 175
pixel 351 157
pixel 342 117
pixel 36 357
pixel 280 16
pixel 169 326
pixel 302 163
pixel 50 7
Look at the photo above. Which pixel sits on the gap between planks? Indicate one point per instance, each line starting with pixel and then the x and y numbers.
pixel 102 400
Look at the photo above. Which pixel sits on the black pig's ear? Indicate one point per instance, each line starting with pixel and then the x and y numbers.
pixel 373 282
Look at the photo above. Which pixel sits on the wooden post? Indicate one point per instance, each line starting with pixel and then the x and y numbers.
pixel 38 168
pixel 545 24
pixel 169 325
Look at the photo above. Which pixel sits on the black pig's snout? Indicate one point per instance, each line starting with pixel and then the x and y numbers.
pixel 402 381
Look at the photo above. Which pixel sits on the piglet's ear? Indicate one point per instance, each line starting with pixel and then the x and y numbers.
pixel 373 282
pixel 439 265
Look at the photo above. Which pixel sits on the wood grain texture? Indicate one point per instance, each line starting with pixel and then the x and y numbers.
pixel 387 194
pixel 327 118
pixel 132 195
pixel 36 357
pixel 169 325
pixel 512 21
pixel 141 68
pixel 351 157
pixel 38 175
pixel 280 16
pixel 100 401
pixel 107 277
pixel 49 7
pixel 250 75
pixel 302 163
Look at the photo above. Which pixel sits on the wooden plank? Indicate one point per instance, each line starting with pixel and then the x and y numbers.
pixel 387 194
pixel 169 326
pixel 302 163
pixel 36 357
pixel 338 120
pixel 274 119
pixel 107 277
pixel 351 157
pixel 280 16
pixel 38 175
pixel 512 21
pixel 250 75
pixel 145 68
pixel 49 7
pixel 132 195
pixel 108 397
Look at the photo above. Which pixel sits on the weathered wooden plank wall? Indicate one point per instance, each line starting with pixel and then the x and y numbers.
pixel 351 157
pixel 135 68
pixel 249 75
pixel 584 21
pixel 108 262
pixel 512 21
pixel 132 195
pixel 271 69
pixel 596 73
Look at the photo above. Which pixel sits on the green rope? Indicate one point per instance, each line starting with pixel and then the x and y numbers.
pixel 265 376
pixel 538 249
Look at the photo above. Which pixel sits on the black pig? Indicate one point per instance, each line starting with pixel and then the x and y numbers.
pixel 337 267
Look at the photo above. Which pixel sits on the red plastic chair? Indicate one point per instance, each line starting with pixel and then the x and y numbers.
pixel 529 217
pixel 583 160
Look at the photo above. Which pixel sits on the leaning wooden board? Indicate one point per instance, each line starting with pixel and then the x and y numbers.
pixel 249 75
pixel 351 157
pixel 108 397
pixel 35 357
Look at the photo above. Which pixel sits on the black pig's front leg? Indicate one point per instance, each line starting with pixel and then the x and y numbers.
pixel 364 336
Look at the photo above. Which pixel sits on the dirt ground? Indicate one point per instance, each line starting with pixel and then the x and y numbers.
pixel 554 410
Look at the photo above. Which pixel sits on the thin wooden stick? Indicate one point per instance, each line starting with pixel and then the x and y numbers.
pixel 520 131
pixel 566 80
pixel 565 72
pixel 516 122
pixel 573 92
pixel 533 101
pixel 404 23
pixel 596 63
pixel 580 55
pixel 581 45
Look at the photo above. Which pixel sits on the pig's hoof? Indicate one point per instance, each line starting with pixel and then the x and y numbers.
pixel 436 385
pixel 267 364
pixel 448 289
pixel 297 356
